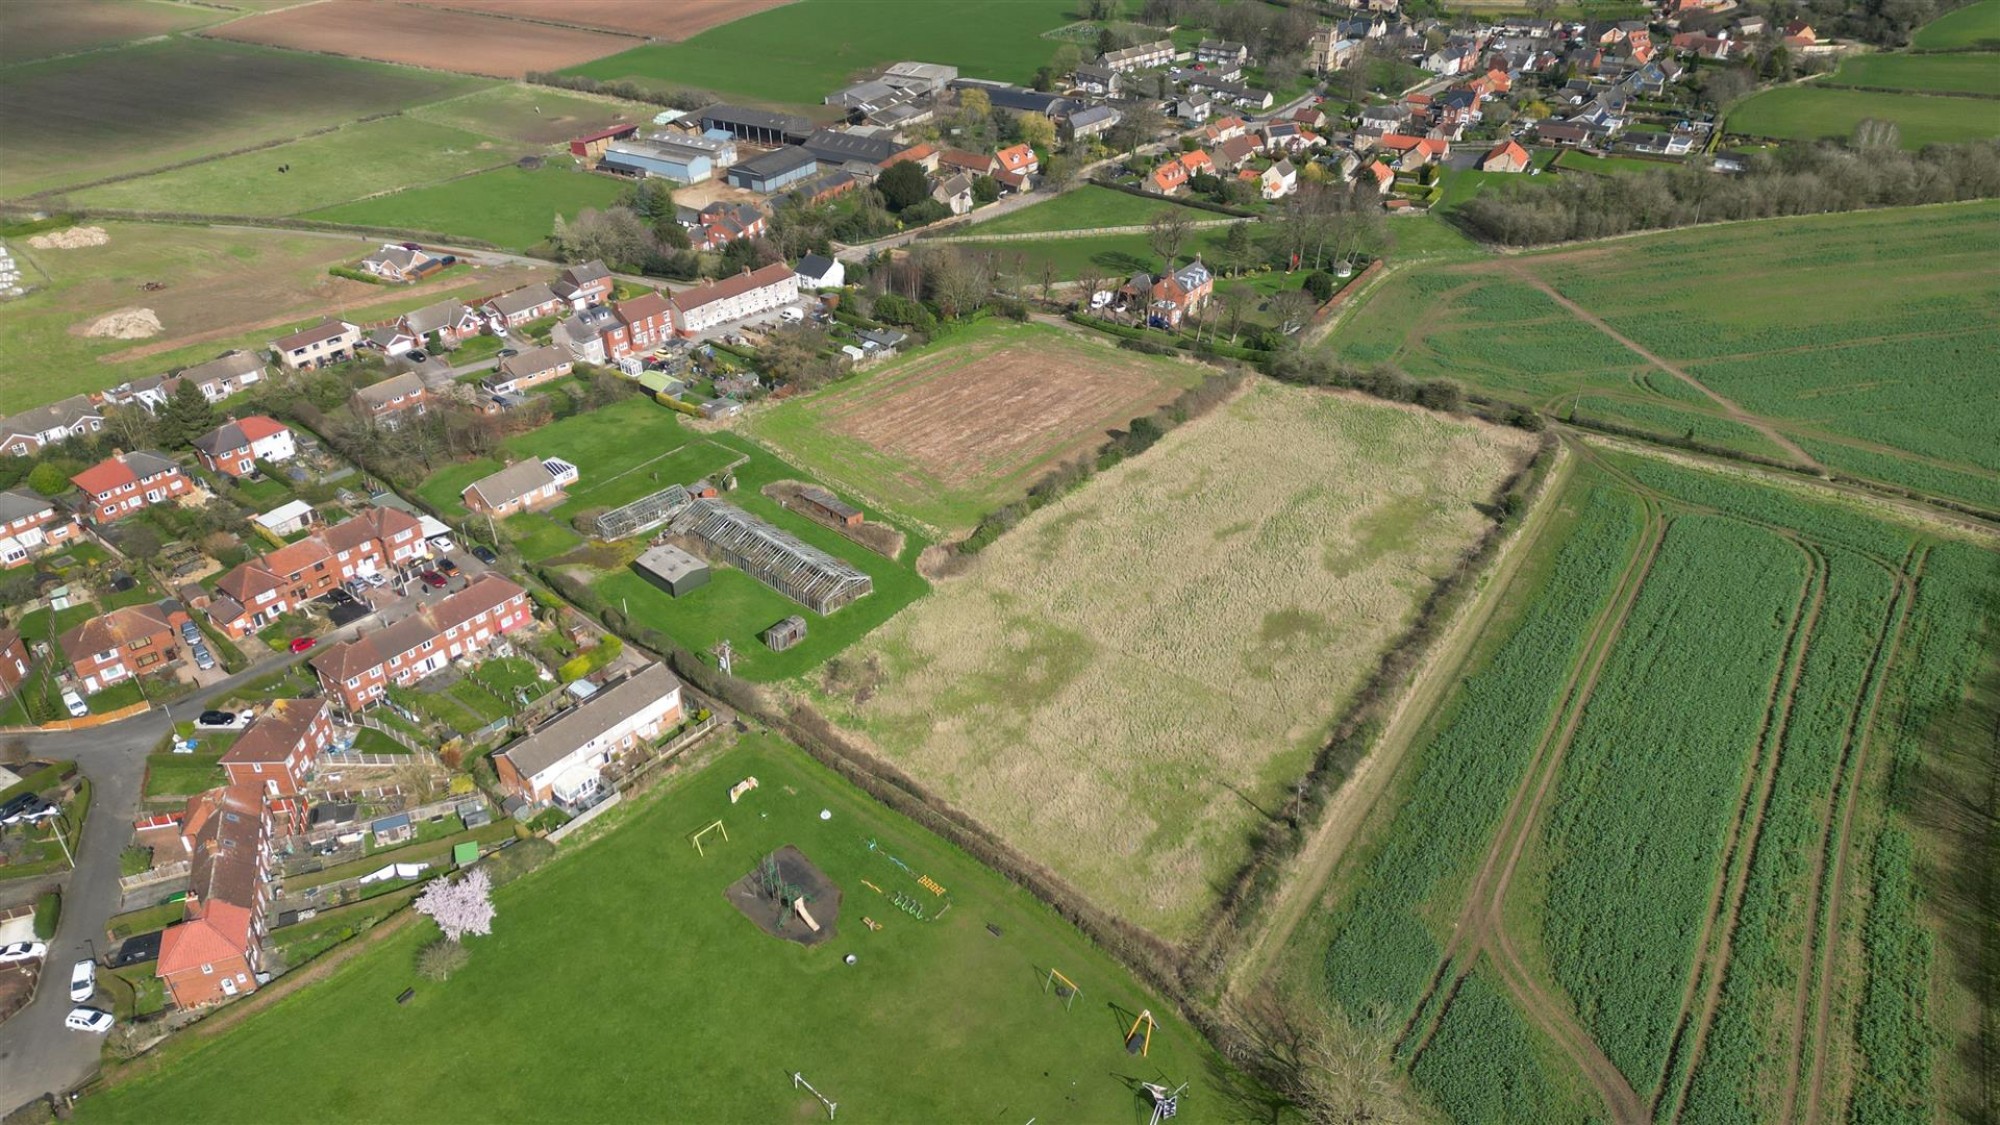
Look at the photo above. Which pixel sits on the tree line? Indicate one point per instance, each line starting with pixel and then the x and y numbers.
pixel 1794 180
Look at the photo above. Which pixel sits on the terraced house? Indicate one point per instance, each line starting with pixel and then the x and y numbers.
pixel 279 751
pixel 124 483
pixel 258 592
pixel 132 641
pixel 733 298
pixel 216 952
pixel 359 672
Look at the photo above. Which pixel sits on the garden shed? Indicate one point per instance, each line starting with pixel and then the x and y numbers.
pixel 672 569
pixel 785 633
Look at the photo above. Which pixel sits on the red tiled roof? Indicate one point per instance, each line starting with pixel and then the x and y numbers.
pixel 214 931
pixel 731 286
pixel 273 737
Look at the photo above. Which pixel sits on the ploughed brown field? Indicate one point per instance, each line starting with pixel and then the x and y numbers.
pixel 437 38
pixel 669 21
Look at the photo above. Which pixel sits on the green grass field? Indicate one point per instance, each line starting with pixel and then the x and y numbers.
pixel 1975 72
pixel 1572 160
pixel 807 428
pixel 533 115
pixel 40 31
pixel 939 1020
pixel 1875 347
pixel 1085 208
pixel 375 156
pixel 1805 113
pixel 1974 25
pixel 79 119
pixel 508 207
pixel 805 50
pixel 1105 256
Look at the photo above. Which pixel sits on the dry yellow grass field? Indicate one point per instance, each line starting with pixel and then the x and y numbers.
pixel 1120 683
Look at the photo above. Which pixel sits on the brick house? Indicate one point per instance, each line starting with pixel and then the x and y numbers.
pixel 14 660
pixel 28 523
pixel 388 402
pixel 638 326
pixel 1019 159
pixel 360 671
pixel 583 286
pixel 733 298
pixel 237 445
pixel 330 341
pixel 259 591
pixel 563 759
pixel 216 952
pixel 123 483
pixel 445 323
pixel 1167 300
pixel 132 641
pixel 520 487
pixel 278 752
pixel 30 431
pixel 1507 156
pixel 530 368
pixel 528 303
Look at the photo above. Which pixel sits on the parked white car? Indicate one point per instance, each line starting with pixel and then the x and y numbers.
pixel 73 701
pixel 89 1019
pixel 83 981
pixel 22 951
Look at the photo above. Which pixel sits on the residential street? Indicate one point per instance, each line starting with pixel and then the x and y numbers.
pixel 37 1054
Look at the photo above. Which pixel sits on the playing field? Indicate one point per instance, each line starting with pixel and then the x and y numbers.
pixel 1085 208
pixel 1890 379
pixel 1974 72
pixel 440 38
pixel 1810 113
pixel 375 156
pixel 1974 25
pixel 1587 898
pixel 509 207
pixel 951 433
pixel 666 23
pixel 219 289
pixel 1121 682
pixel 38 31
pixel 632 937
pixel 79 119
pixel 805 50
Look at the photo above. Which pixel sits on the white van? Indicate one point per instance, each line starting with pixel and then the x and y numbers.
pixel 73 701
pixel 791 316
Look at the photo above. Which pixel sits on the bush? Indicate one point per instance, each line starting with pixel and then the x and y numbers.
pixel 354 275
pixel 48 913
pixel 1321 285
pixel 441 958
pixel 591 660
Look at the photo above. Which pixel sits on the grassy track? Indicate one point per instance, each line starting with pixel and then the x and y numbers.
pixel 805 50
pixel 1805 113
pixel 633 934
pixel 116 112
pixel 508 207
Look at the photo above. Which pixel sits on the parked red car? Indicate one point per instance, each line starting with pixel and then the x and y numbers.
pixel 301 644
pixel 433 579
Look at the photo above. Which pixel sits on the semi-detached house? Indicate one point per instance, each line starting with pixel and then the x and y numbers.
pixel 359 672
pixel 216 952
pixel 30 431
pixel 330 341
pixel 258 592
pixel 388 402
pixel 530 368
pixel 123 483
pixel 28 524
pixel 238 444
pixel 635 326
pixel 277 754
pixel 126 642
pixel 528 303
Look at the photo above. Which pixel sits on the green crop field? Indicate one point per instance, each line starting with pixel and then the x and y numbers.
pixel 39 31
pixel 1038 395
pixel 359 160
pixel 78 119
pixel 633 937
pixel 1804 113
pixel 1085 208
pixel 1974 25
pixel 1673 889
pixel 799 53
pixel 534 115
pixel 1976 72
pixel 1875 355
pixel 509 207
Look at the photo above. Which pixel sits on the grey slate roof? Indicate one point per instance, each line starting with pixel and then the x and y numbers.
pixel 590 719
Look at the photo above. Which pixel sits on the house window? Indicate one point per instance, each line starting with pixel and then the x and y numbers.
pixel 208 970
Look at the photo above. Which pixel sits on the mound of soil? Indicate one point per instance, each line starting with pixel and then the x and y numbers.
pixel 822 899
pixel 74 238
pixel 126 324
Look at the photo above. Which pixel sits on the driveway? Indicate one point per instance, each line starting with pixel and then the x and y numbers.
pixel 37 1054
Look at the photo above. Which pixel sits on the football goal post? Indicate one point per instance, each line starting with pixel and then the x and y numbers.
pixel 716 827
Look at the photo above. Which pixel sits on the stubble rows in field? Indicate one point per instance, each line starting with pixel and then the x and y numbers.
pixel 436 38
pixel 669 23
pixel 1123 680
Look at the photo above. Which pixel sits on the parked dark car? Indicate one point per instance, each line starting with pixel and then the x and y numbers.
pixel 486 555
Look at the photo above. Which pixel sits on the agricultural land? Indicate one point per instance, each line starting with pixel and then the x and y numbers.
pixel 40 31
pixel 1087 208
pixel 1975 25
pixel 87 117
pixel 509 207
pixel 806 48
pixel 948 435
pixel 652 21
pixel 440 38
pixel 1686 335
pixel 1122 681
pixel 641 898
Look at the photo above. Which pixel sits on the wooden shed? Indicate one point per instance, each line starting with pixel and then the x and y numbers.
pixel 785 633
pixel 819 502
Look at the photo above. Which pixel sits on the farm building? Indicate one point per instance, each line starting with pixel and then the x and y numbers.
pixel 757 126
pixel 672 569
pixel 643 514
pixel 681 164
pixel 591 147
pixel 785 633
pixel 775 170
pixel 803 573
pixel 825 505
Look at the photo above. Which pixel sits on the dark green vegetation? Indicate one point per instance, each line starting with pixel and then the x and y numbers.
pixel 1858 336
pixel 77 119
pixel 1692 882
pixel 800 52
pixel 672 1001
